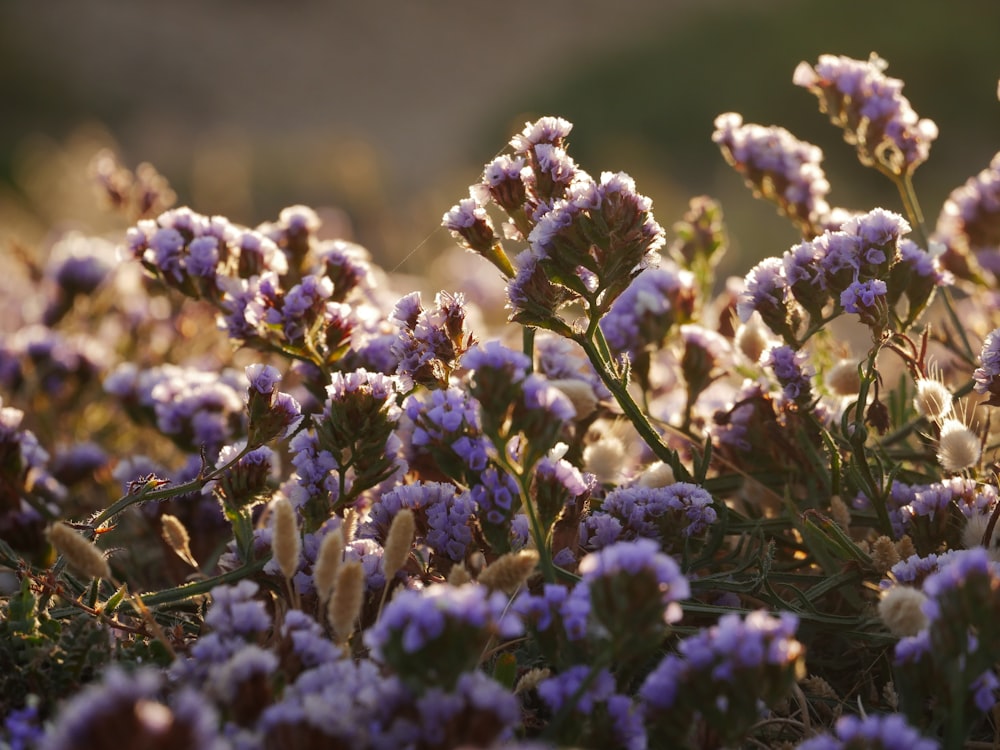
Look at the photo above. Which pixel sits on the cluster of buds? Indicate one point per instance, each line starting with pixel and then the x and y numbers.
pixel 870 108
pixel 587 238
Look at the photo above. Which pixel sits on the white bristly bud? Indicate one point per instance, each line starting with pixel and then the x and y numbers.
pixel 286 544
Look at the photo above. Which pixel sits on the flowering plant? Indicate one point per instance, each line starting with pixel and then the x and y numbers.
pixel 644 514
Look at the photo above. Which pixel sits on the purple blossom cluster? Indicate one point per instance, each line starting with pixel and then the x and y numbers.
pixel 446 431
pixel 195 408
pixel 987 375
pixel 431 341
pixel 37 358
pixel 721 673
pixel 871 109
pixel 657 301
pixel 969 222
pixel 865 267
pixel 778 167
pixel 670 515
pixel 434 635
pixel 445 517
pixel 877 731
pixel 792 373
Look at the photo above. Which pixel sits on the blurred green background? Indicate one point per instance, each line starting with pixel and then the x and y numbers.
pixel 385 112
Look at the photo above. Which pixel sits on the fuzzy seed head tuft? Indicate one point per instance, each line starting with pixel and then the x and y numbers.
pixel 843 378
pixel 840 513
pixel 458 575
pixel 83 556
pixel 959 447
pixel 605 458
pixel 932 399
pixel 286 544
pixel 331 552
pixel 176 536
pixel 885 554
pixel 901 610
pixel 347 600
pixel 508 572
pixel 398 542
pixel 657 475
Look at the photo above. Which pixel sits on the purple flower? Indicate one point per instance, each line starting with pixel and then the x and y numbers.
pixel 446 427
pixel 22 729
pixel 987 375
pixel 469 223
pixel 778 167
pixel 867 299
pixel 882 731
pixel 551 130
pixel 235 611
pixel 766 292
pixel 476 713
pixel 568 686
pixel 431 341
pixel 431 636
pixel 968 222
pixel 446 515
pixel 666 514
pixel 125 705
pixel 790 369
pixel 657 300
pixel 870 107
pixel 504 179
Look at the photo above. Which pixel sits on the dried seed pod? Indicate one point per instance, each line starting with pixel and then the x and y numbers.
pixel 347 600
pixel 286 544
pixel 509 571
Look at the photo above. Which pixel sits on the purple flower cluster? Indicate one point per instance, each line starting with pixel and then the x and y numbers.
pixel 969 222
pixel 778 167
pixel 497 496
pixel 431 341
pixel 195 408
pixel 128 705
pixel 669 515
pixel 195 253
pixel 722 673
pixel 865 267
pixel 987 375
pixel 272 414
pixel 605 228
pixel 792 373
pixel 446 431
pixel 641 318
pixel 444 517
pixel 877 731
pixel 38 359
pixel 432 636
pixel 870 107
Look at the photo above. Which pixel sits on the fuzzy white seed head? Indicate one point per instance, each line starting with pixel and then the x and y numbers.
pixel 579 393
pixel 657 475
pixel 605 458
pixel 900 610
pixel 843 379
pixel 959 447
pixel 752 338
pixel 932 400
pixel 975 530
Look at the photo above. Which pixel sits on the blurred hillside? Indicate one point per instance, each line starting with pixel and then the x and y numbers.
pixel 388 111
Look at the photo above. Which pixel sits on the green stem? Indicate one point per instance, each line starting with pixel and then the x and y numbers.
pixel 145 495
pixel 528 346
pixel 631 409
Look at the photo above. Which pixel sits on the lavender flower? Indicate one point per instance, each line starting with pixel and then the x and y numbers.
pixel 605 228
pixel 777 167
pixel 867 299
pixel 444 517
pixel 430 341
pixel 668 515
pixel 722 672
pixel 790 368
pixel 987 375
pixel 805 278
pixel 871 109
pixel 125 705
pixel 534 300
pixel 272 414
pixel 567 688
pixel 968 223
pixel 22 729
pixel 430 637
pixel 877 731
pixel 504 179
pixel 446 431
pixel 551 130
pixel 497 497
pixel 766 292
pixel 642 317
pixel 477 713
pixel 469 223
